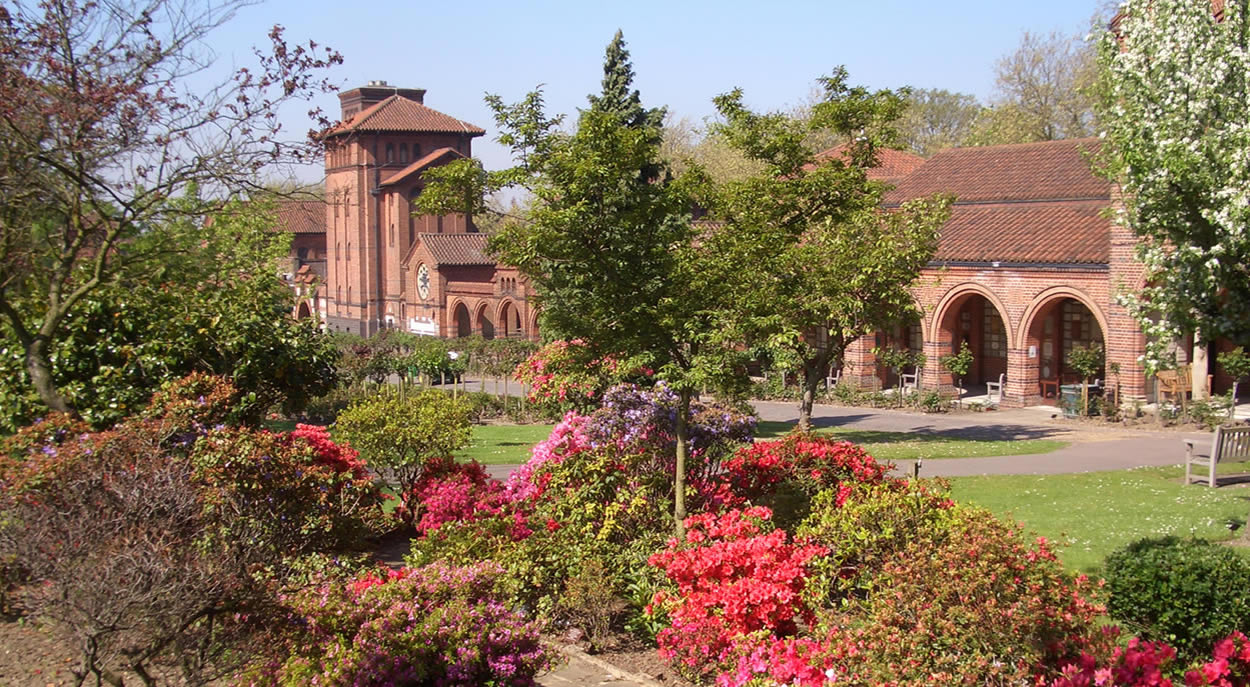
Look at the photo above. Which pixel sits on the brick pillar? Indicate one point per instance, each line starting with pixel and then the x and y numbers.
pixel 859 364
pixel 1021 387
pixel 937 346
pixel 1125 342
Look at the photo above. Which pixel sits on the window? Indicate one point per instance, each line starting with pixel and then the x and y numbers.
pixel 995 334
pixel 403 153
pixel 349 257
pixel 338 250
pixel 390 153
pixel 416 152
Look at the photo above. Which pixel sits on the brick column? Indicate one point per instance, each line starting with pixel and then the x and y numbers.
pixel 1125 341
pixel 859 364
pixel 1022 377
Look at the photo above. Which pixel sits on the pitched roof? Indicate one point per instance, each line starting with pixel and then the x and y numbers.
pixel 427 161
pixel 1050 170
pixel 1073 232
pixel 457 249
pixel 301 216
pixel 398 113
pixel 1026 203
pixel 892 165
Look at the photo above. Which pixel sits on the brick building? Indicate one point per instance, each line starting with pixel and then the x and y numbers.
pixel 1027 267
pixel 372 263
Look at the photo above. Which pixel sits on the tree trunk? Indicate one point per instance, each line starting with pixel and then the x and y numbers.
pixel 679 472
pixel 1199 369
pixel 40 370
pixel 815 370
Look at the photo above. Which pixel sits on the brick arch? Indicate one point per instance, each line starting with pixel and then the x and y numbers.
pixel 1044 299
pixel 507 307
pixel 482 320
pixel 454 324
pixel 954 295
pixel 533 331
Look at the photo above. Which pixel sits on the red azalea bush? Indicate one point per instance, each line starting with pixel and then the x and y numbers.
pixel 786 474
pixel 732 578
pixel 449 491
pixel 435 625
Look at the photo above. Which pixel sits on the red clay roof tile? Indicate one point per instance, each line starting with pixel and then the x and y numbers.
pixel 457 249
pixel 398 113
pixel 301 216
pixel 892 165
pixel 419 165
pixel 1072 232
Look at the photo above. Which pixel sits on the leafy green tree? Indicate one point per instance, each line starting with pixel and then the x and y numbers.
pixel 1044 92
pixel 1087 361
pixel 1237 364
pixel 937 118
pixel 609 244
pixel 214 303
pixel 1177 99
pixel 108 112
pixel 809 259
pixel 398 435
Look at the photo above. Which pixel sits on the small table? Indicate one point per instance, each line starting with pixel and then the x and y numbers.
pixel 1052 385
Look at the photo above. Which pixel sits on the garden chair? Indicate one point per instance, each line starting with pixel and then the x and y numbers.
pixel 1229 445
pixel 994 390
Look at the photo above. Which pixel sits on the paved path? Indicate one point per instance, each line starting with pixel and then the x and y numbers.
pixel 1091 448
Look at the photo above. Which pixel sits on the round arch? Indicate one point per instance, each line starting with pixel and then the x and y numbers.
pixel 534 324
pixel 508 317
pixel 303 312
pixel 461 321
pixel 484 324
pixel 1045 298
pixel 956 294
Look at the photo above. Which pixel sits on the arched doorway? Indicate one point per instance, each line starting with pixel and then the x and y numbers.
pixel 303 312
pixel 1056 326
pixel 484 325
pixel 908 337
pixel 464 325
pixel 971 318
pixel 510 320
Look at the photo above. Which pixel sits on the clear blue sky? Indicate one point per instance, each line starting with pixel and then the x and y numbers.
pixel 684 53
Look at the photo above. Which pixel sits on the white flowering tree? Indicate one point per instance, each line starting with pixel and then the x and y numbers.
pixel 1176 113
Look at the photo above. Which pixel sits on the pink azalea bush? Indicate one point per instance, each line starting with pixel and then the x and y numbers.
pixel 570 376
pixel 436 625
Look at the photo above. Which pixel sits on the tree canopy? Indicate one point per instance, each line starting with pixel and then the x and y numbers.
pixel 1177 100
pixel 111 127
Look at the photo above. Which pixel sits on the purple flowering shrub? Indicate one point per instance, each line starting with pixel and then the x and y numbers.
pixel 434 625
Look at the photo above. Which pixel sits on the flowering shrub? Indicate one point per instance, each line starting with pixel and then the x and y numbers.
pixel 765 659
pixel 968 603
pixel 437 624
pixel 732 578
pixel 786 474
pixel 1140 664
pixel 865 526
pixel 567 439
pixel 1229 665
pixel 570 376
pixel 449 491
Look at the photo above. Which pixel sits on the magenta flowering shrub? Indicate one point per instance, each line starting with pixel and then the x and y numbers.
pixel 567 439
pixel 434 625
pixel 449 491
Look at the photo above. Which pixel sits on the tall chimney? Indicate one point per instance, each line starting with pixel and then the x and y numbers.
pixel 357 99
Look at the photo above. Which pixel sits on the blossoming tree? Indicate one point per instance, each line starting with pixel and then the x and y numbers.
pixel 1175 106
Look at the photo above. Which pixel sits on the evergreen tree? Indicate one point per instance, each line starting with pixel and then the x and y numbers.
pixel 618 96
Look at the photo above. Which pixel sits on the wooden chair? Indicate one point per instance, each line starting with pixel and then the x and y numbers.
pixel 994 390
pixel 1229 445
pixel 832 379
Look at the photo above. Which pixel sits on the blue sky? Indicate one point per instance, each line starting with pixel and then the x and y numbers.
pixel 684 53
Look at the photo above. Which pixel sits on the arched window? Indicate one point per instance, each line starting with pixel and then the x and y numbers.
pixel 403 153
pixel 338 250
pixel 390 153
pixel 416 152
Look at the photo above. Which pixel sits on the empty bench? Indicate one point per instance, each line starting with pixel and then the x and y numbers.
pixel 1229 445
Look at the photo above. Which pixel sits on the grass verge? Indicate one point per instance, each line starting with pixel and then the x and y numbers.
pixel 1089 515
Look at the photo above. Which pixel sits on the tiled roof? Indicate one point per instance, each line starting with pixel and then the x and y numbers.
pixel 419 165
pixel 1051 170
pixel 301 216
pixel 398 113
pixel 1027 203
pixel 1073 232
pixel 892 165
pixel 457 249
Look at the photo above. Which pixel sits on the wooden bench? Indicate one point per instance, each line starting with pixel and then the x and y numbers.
pixel 1229 445
pixel 1178 383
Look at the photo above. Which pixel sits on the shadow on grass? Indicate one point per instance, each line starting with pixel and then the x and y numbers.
pixel 771 429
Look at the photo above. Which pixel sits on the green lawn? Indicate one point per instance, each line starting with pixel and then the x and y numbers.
pixel 895 446
pixel 1089 515
pixel 496 444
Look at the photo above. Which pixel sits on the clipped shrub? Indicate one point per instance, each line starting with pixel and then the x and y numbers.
pixel 971 603
pixel 865 526
pixel 435 625
pixel 1188 593
pixel 398 435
